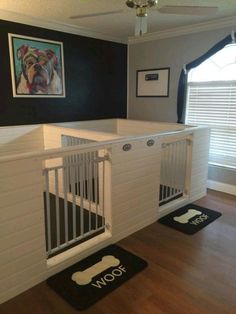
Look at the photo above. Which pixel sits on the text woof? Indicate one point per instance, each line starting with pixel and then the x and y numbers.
pixel 110 277
pixel 199 220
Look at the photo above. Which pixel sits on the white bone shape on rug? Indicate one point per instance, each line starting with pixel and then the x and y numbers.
pixel 86 276
pixel 183 219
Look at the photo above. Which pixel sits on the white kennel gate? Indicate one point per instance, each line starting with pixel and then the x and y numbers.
pixel 74 198
pixel 175 168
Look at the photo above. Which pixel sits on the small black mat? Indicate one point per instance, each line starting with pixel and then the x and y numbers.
pixel 125 266
pixel 201 217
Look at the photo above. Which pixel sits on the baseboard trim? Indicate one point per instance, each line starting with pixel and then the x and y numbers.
pixel 222 187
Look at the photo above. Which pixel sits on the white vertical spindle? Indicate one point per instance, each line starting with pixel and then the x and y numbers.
pixel 48 212
pixel 58 236
pixel 65 187
pixel 81 166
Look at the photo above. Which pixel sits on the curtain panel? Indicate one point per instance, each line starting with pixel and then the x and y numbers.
pixel 182 87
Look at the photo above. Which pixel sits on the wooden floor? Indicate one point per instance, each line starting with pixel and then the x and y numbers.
pixel 186 274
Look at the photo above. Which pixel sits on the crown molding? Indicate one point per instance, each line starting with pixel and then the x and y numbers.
pixel 57 26
pixel 185 30
pixel 82 31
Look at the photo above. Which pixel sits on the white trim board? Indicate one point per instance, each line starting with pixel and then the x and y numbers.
pixel 57 26
pixel 185 30
pixel 222 187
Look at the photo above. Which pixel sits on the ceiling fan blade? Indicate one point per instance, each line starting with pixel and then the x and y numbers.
pixel 188 10
pixel 82 16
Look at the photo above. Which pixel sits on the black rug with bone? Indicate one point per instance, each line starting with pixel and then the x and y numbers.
pixel 89 280
pixel 190 218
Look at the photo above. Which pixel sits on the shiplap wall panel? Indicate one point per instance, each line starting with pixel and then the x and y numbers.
pixel 20 263
pixel 21 139
pixel 21 227
pixel 133 203
pixel 5 168
pixel 139 202
pixel 199 168
pixel 23 250
pixel 142 173
pixel 104 125
pixel 12 200
pixel 16 238
pixel 139 164
pixel 136 154
pixel 123 225
pixel 52 139
pixel 52 135
pixel 24 285
pixel 126 186
pixel 19 223
pixel 14 183
pixel 128 217
pixel 21 276
pixel 135 127
pixel 20 209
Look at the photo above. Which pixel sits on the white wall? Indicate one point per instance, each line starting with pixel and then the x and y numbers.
pixel 174 53
pixel 22 245
pixel 135 186
pixel 137 127
pixel 170 52
pixel 21 139
pixel 103 125
pixel 52 134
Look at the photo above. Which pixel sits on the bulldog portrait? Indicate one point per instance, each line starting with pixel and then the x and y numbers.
pixel 39 72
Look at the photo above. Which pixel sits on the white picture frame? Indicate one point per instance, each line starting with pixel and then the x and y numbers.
pixel 37 67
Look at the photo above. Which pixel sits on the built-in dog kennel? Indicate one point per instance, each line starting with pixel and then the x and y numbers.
pixel 69 189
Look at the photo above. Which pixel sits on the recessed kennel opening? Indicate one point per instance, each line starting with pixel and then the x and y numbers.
pixel 117 190
pixel 175 168
pixel 74 197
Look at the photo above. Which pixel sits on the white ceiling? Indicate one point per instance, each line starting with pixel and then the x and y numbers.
pixel 120 25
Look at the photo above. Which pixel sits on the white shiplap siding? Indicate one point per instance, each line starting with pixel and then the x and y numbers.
pixel 21 139
pixel 21 222
pixel 199 168
pixel 134 199
pixel 131 194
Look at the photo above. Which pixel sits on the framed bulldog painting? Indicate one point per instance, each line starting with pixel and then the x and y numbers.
pixel 37 67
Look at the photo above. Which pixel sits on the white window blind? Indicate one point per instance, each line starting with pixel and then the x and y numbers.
pixel 214 104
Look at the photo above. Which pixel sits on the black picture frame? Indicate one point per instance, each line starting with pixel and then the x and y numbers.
pixel 153 82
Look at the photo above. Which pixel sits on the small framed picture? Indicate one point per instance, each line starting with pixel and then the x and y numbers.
pixel 152 82
pixel 37 67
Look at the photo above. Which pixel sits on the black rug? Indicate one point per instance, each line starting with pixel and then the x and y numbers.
pixel 114 266
pixel 190 218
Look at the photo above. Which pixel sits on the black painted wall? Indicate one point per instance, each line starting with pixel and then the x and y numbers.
pixel 95 80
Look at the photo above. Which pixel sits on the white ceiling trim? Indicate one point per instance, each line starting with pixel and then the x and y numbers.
pixel 57 26
pixel 185 30
pixel 82 31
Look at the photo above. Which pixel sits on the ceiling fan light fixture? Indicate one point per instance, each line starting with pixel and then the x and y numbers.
pixel 152 3
pixel 141 7
pixel 141 11
pixel 141 25
pixel 131 4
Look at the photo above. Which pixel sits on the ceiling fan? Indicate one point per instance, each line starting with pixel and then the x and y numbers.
pixel 142 7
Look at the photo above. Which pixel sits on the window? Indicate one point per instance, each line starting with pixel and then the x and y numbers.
pixel 211 101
